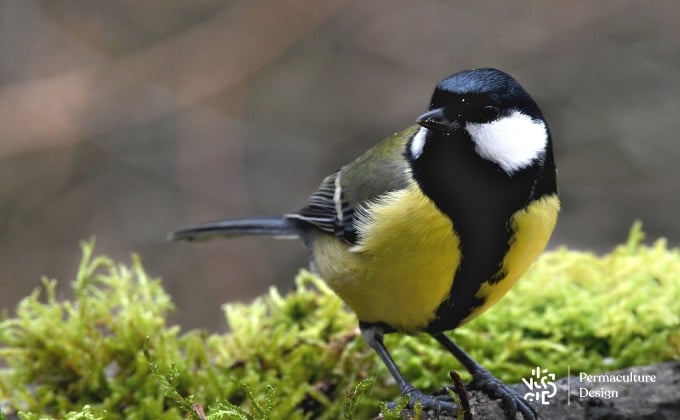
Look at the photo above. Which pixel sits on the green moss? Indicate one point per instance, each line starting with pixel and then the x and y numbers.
pixel 108 352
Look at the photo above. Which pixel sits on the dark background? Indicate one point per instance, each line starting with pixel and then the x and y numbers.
pixel 128 119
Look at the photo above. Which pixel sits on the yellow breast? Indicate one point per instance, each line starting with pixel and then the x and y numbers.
pixel 533 227
pixel 401 269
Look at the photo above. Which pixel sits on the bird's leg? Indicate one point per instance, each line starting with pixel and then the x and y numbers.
pixel 483 380
pixel 374 338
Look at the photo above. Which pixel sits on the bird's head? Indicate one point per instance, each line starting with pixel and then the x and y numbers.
pixel 503 122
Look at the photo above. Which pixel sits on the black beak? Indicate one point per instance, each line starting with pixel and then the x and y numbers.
pixel 436 119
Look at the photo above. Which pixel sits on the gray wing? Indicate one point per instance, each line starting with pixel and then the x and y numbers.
pixel 321 210
pixel 341 195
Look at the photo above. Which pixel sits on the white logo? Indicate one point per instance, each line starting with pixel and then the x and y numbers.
pixel 541 386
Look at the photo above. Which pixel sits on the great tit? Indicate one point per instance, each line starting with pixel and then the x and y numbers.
pixel 430 227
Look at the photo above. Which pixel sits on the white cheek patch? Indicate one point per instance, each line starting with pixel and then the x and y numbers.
pixel 418 143
pixel 513 142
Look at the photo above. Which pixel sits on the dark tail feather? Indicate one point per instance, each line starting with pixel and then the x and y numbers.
pixel 265 226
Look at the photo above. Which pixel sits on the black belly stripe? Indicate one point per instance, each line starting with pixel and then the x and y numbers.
pixel 480 199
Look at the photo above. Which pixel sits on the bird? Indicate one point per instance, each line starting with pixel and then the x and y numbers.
pixel 433 225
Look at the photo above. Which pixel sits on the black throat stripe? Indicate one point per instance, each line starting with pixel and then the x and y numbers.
pixel 480 199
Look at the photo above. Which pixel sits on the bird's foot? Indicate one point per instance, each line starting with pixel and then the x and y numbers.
pixel 439 404
pixel 511 400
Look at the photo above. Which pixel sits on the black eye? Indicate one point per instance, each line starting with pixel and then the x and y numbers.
pixel 490 112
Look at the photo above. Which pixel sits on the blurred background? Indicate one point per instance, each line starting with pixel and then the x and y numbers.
pixel 125 120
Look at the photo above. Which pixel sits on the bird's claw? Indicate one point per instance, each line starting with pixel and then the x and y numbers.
pixel 439 404
pixel 511 400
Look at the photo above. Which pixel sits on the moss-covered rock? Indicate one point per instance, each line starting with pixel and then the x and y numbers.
pixel 109 353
